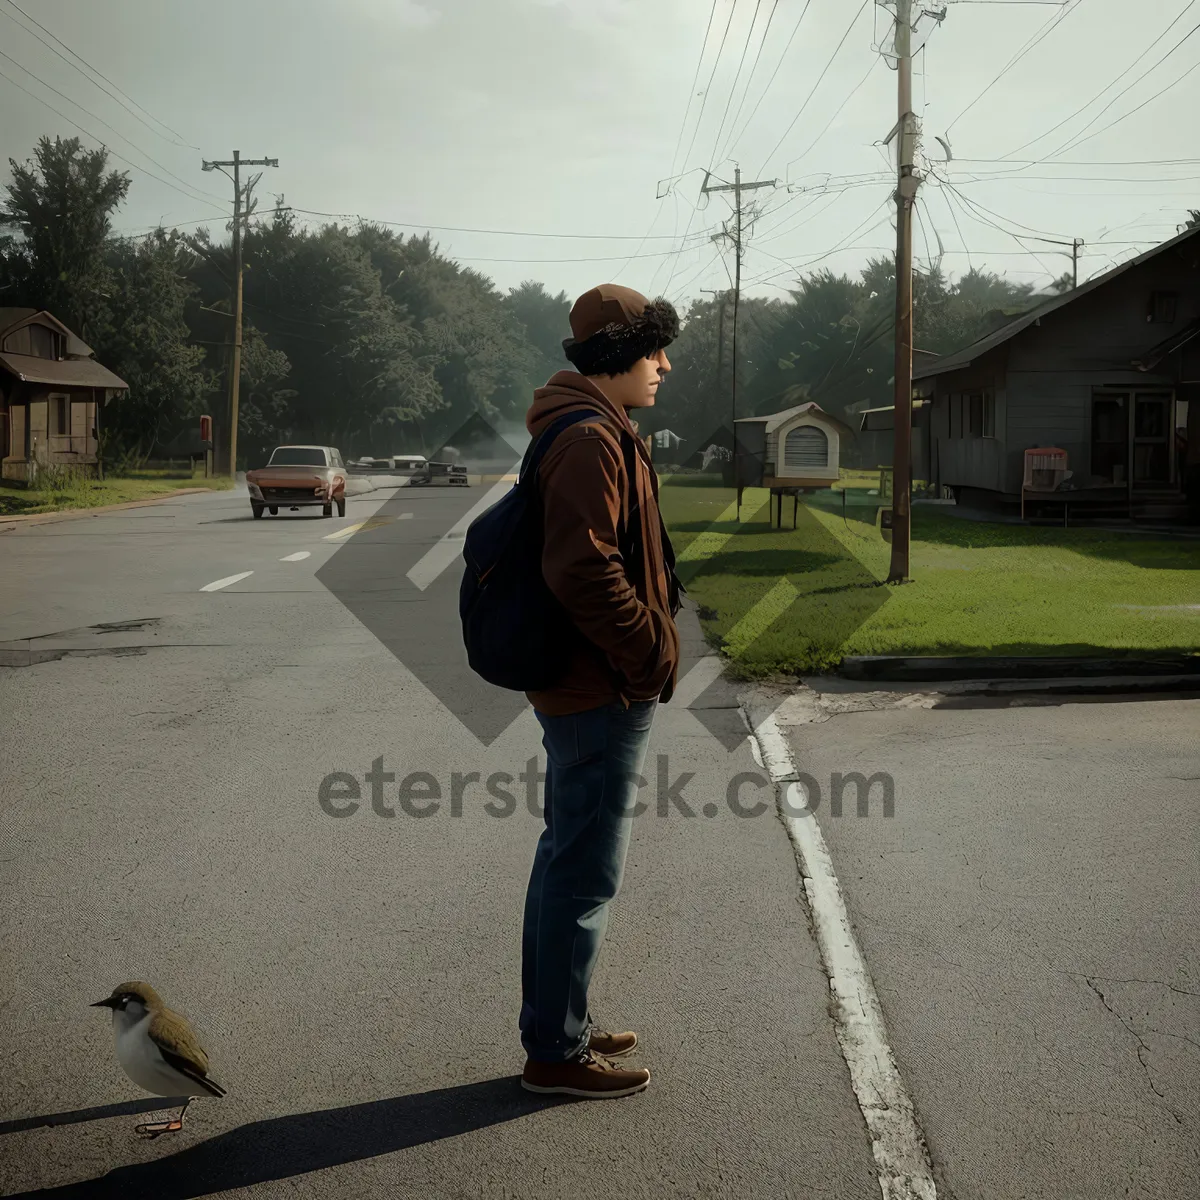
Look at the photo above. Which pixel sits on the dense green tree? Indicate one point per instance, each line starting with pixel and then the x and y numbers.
pixel 141 332
pixel 60 204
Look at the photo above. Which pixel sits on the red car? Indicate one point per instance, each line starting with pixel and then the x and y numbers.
pixel 299 477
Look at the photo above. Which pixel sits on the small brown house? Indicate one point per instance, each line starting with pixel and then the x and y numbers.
pixel 51 392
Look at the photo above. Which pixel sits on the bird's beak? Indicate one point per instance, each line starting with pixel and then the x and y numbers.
pixel 108 1003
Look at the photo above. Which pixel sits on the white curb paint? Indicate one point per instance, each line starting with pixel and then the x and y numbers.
pixel 449 548
pixel 299 556
pixel 224 583
pixel 901 1155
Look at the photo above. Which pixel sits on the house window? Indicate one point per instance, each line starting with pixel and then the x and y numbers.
pixel 1162 308
pixel 47 343
pixel 805 447
pixel 60 407
pixel 983 415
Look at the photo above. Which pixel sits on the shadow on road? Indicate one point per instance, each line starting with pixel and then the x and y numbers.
pixel 284 1147
pixel 127 1108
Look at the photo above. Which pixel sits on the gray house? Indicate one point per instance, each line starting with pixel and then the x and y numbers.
pixel 1108 373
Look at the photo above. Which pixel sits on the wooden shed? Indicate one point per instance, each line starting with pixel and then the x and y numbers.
pixel 52 391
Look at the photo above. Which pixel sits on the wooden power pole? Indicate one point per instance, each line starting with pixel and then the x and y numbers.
pixel 737 187
pixel 906 191
pixel 235 358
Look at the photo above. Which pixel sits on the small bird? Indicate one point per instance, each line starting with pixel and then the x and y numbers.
pixel 158 1050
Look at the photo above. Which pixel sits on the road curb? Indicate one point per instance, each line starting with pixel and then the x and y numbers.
pixel 68 514
pixel 920 669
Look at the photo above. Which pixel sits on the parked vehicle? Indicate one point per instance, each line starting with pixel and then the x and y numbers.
pixel 299 477
pixel 440 475
pixel 408 463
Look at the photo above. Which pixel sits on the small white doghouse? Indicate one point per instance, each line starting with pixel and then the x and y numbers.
pixel 789 452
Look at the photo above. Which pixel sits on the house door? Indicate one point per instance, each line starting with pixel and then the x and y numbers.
pixel 1152 439
pixel 1110 437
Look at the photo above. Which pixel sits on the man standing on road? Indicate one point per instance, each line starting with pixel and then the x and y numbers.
pixel 608 561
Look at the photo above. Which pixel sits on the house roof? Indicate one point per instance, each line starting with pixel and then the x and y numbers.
pixel 980 347
pixel 69 372
pixel 1176 341
pixel 774 420
pixel 11 318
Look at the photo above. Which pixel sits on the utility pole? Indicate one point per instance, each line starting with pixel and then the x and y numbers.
pixel 235 358
pixel 1075 244
pixel 724 294
pixel 737 188
pixel 906 191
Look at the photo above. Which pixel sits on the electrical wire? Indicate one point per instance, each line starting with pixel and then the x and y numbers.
pixel 1107 87
pixel 1124 116
pixel 95 116
pixel 824 72
pixel 970 210
pixel 729 142
pixel 34 21
pixel 958 228
pixel 708 88
pixel 614 237
pixel 712 12
pixel 763 93
pixel 853 92
pixel 737 75
pixel 1044 32
pixel 100 142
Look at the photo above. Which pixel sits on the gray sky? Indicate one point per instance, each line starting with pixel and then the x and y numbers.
pixel 562 116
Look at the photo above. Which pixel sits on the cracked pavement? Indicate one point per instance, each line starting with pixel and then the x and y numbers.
pixel 1030 919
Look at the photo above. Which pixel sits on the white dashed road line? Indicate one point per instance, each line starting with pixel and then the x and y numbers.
pixel 299 556
pixel 217 585
pixel 901 1155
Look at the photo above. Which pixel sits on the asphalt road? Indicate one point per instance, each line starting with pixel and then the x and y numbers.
pixel 1028 914
pixel 355 978
pixel 1031 920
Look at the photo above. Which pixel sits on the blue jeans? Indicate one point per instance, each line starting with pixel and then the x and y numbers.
pixel 593 760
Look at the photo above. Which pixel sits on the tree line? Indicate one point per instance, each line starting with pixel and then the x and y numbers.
pixel 376 342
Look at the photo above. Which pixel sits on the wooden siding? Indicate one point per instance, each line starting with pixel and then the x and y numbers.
pixel 1044 377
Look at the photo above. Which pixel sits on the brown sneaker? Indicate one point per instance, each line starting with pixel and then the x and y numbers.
pixel 587 1076
pixel 612 1045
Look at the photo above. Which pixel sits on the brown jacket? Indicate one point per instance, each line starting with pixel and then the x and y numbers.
pixel 632 647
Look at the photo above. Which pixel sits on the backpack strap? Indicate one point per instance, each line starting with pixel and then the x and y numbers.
pixel 538 447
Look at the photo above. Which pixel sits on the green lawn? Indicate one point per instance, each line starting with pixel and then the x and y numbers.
pixel 800 600
pixel 70 491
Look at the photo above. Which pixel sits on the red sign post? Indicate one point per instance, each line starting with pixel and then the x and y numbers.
pixel 206 440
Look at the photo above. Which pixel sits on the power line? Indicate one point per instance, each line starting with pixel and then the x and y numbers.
pixel 100 142
pixel 969 208
pixel 729 142
pixel 615 237
pixel 762 95
pixel 1150 99
pixel 853 92
pixel 692 90
pixel 97 117
pixel 736 77
pixel 708 88
pixel 824 72
pixel 1107 87
pixel 34 21
pixel 1045 30
pixel 958 229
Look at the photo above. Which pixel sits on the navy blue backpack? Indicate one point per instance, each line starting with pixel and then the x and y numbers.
pixel 517 634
